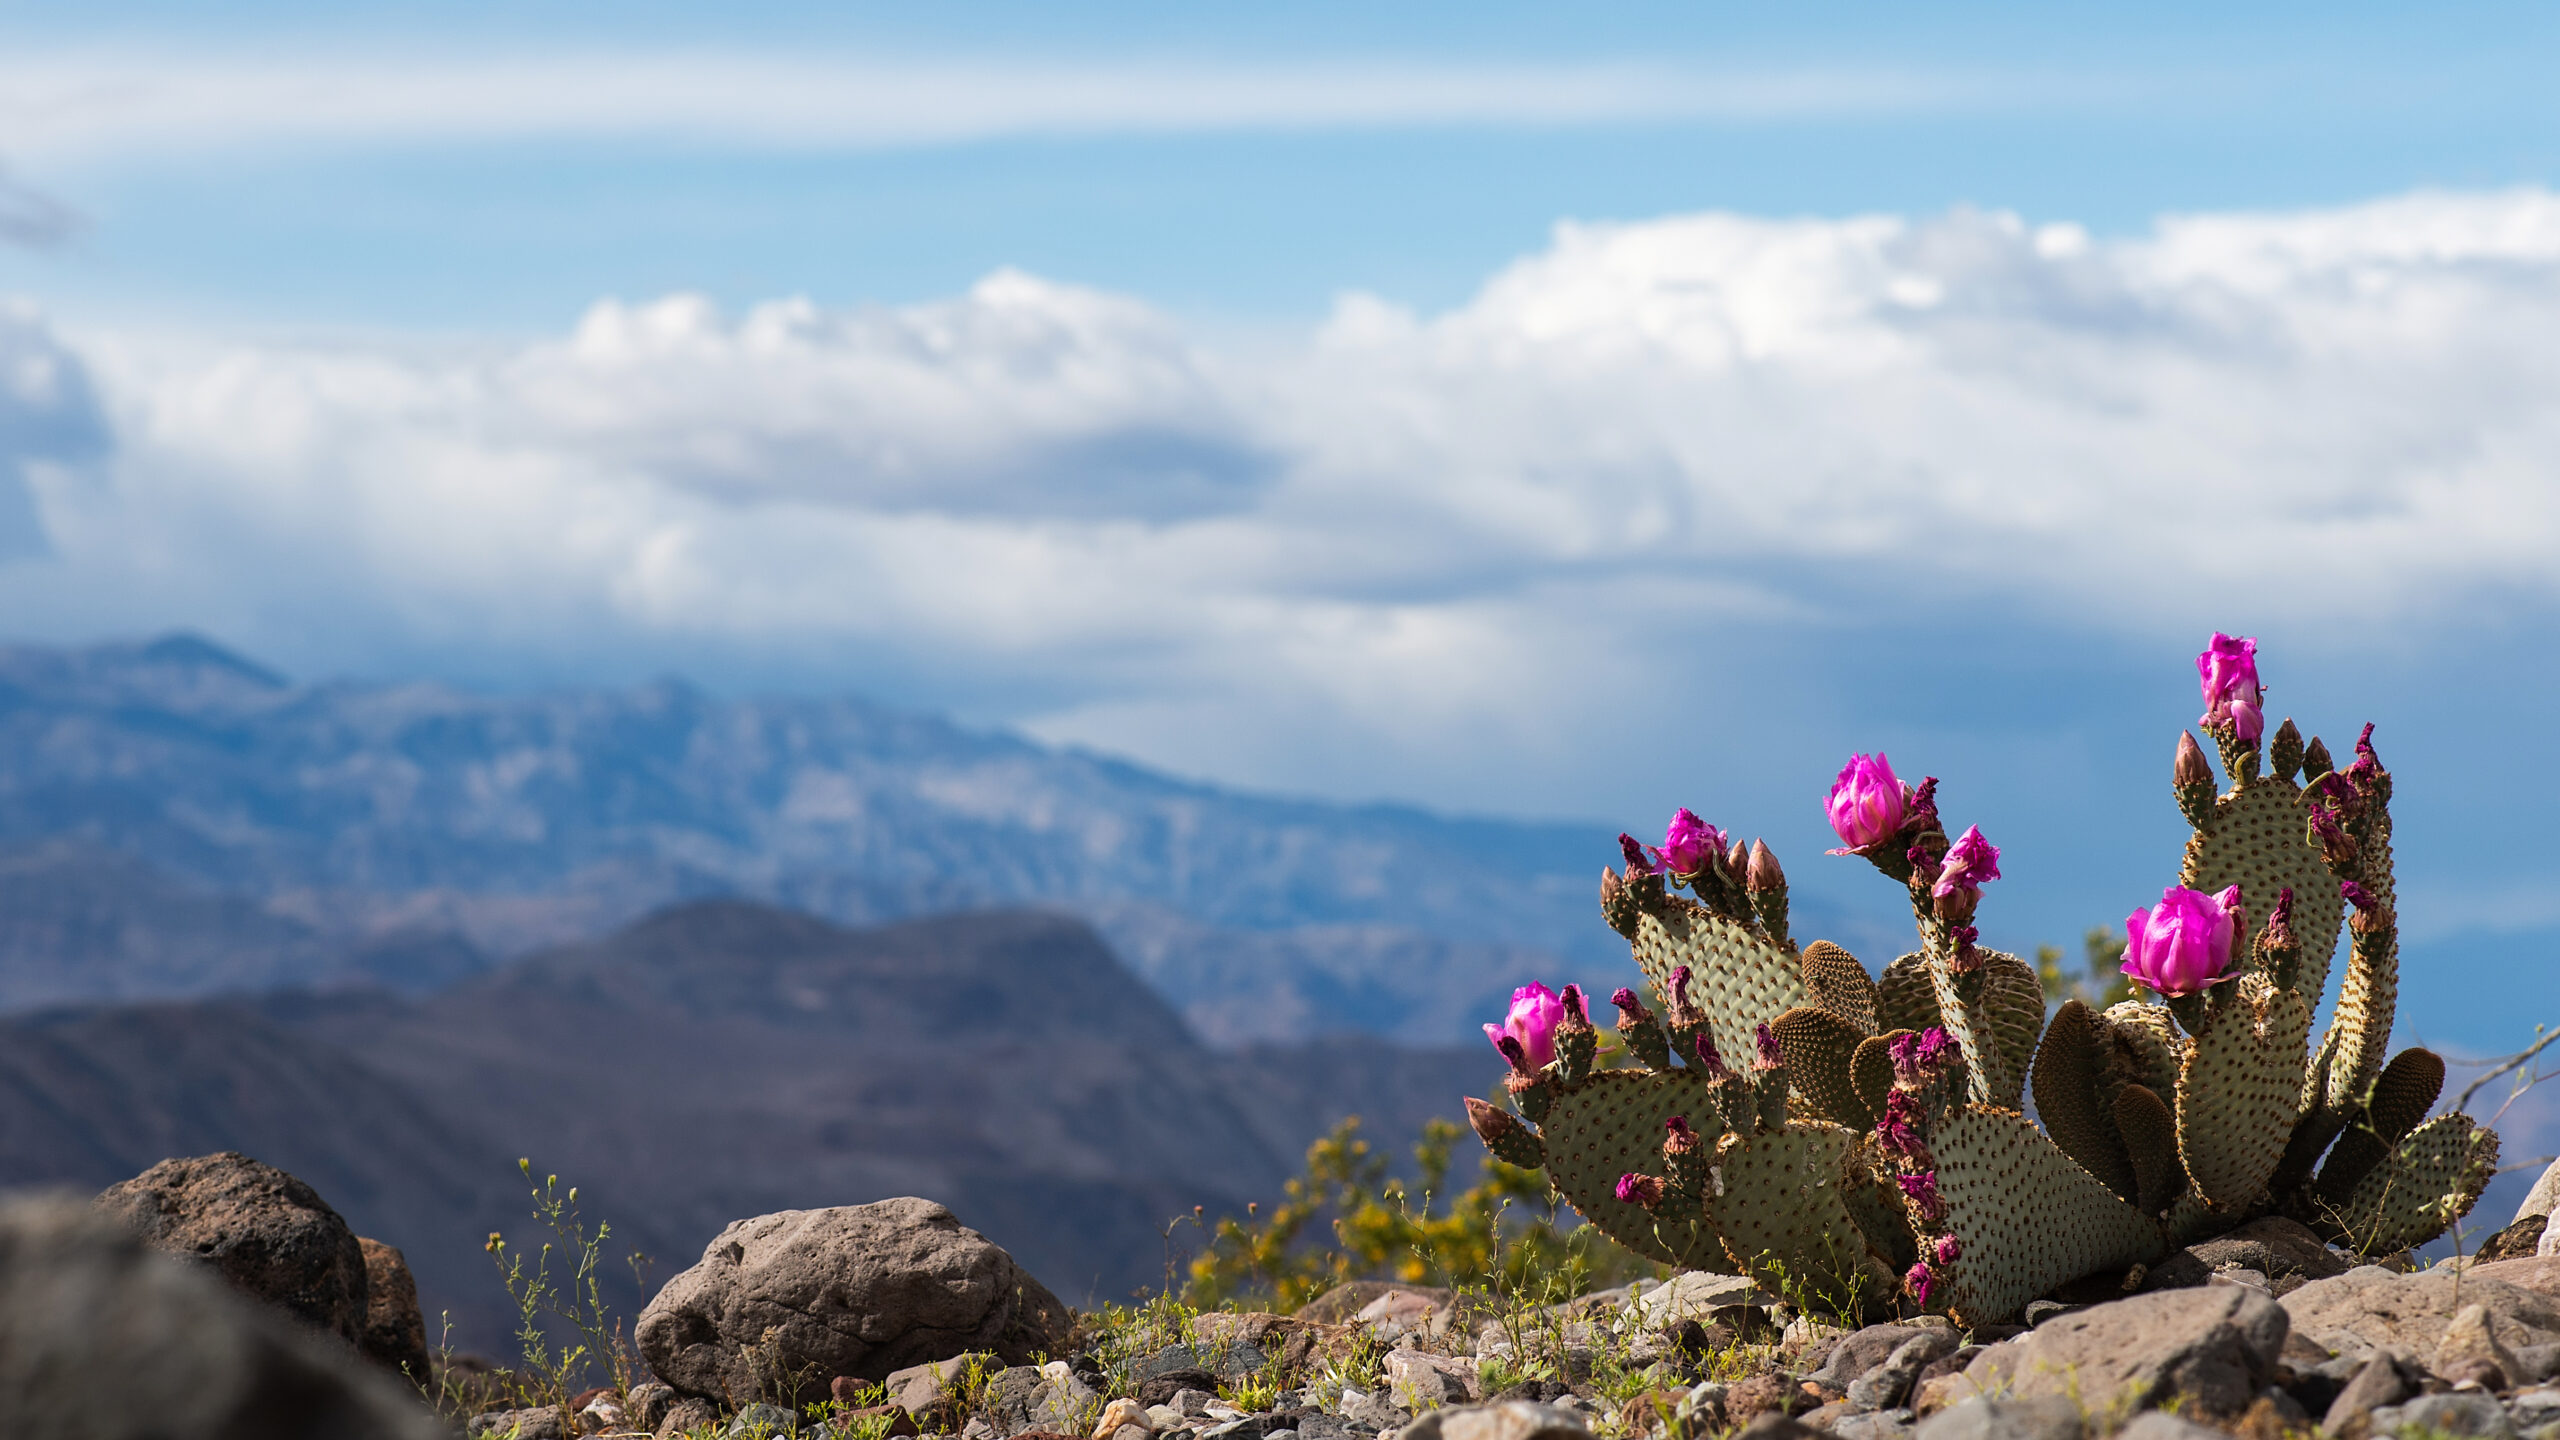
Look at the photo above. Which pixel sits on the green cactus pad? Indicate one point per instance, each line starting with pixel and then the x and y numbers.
pixel 1876 1203
pixel 1785 1219
pixel 1906 999
pixel 2431 1179
pixel 2256 841
pixel 1839 984
pixel 2148 1045
pixel 2402 1094
pixel 2190 1219
pixel 2360 1028
pixel 2238 1093
pixel 2069 1065
pixel 1818 1046
pixel 1611 1125
pixel 1871 1069
pixel 1737 975
pixel 2150 1135
pixel 2028 1217
pixel 1998 1028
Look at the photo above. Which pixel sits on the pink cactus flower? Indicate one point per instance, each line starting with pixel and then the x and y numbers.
pixel 1935 1048
pixel 1535 1012
pixel 1922 1191
pixel 1949 1252
pixel 1919 1282
pixel 2227 672
pixel 2183 944
pixel 1970 863
pixel 1764 1042
pixel 1689 844
pixel 1866 804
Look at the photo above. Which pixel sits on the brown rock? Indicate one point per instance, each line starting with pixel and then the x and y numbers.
pixel 2369 1308
pixel 1773 1426
pixel 1764 1395
pixel 854 1290
pixel 104 1338
pixel 2214 1347
pixel 395 1334
pixel 2285 1251
pixel 1338 1305
pixel 690 1413
pixel 2517 1242
pixel 267 1233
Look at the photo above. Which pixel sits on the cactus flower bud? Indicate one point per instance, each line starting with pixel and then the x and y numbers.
pixel 2279 932
pixel 1763 874
pixel 2336 846
pixel 1867 805
pixel 2191 767
pixel 2183 944
pixel 2315 760
pixel 1949 1251
pixel 1919 1282
pixel 2227 672
pixel 1535 1013
pixel 1737 860
pixel 1503 1135
pixel 1689 845
pixel 1641 1190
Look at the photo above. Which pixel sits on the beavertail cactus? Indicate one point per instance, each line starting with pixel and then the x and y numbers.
pixel 1859 1141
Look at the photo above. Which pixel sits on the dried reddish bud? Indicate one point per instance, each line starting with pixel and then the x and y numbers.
pixel 1640 1190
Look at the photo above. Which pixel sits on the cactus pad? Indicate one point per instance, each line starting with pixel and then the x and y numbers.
pixel 2431 1179
pixel 2070 1063
pixel 1838 983
pixel 1998 1027
pixel 2029 1218
pixel 2150 1135
pixel 2360 1028
pixel 1785 1217
pixel 2148 1045
pixel 1818 1045
pixel 1612 1124
pixel 2255 841
pixel 2402 1095
pixel 2237 1094
pixel 1738 976
pixel 1905 998
pixel 1871 1069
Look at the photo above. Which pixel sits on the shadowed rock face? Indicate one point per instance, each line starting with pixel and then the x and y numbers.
pixel 267 1233
pixel 856 1290
pixel 81 1300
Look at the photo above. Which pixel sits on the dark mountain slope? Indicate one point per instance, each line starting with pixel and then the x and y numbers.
pixel 716 1061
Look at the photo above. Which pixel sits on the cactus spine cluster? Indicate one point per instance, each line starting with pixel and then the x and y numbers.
pixel 1862 1140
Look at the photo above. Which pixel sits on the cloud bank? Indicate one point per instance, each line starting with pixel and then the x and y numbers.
pixel 88 105
pixel 1427 555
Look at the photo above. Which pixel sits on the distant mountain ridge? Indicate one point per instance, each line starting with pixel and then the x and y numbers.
pixel 718 1060
pixel 461 824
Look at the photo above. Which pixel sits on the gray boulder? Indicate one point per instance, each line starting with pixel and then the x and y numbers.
pixel 2038 1417
pixel 2370 1308
pixel 2215 1347
pixel 1503 1420
pixel 101 1338
pixel 2454 1414
pixel 267 1233
pixel 781 1304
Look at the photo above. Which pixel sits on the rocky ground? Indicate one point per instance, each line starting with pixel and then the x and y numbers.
pixel 893 1319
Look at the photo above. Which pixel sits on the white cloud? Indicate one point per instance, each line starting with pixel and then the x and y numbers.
pixel 92 104
pixel 1400 552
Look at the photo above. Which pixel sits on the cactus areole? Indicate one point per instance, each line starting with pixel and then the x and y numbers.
pixel 1874 1157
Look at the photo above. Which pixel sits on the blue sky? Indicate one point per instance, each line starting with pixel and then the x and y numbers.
pixel 1510 409
pixel 484 208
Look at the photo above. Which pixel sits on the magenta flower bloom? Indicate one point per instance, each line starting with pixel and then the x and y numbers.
pixel 2183 944
pixel 1918 1281
pixel 1898 1133
pixel 1535 1012
pixel 1933 1047
pixel 1922 1191
pixel 1690 844
pixel 1866 803
pixel 1971 862
pixel 2227 672
pixel 1949 1251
